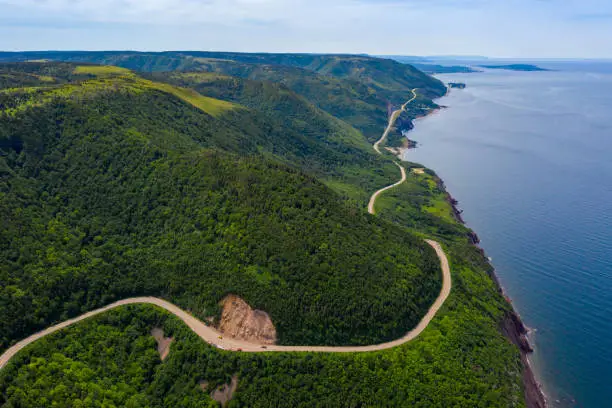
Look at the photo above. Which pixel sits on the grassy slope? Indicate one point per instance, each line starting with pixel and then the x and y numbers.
pixel 212 106
pixel 106 79
pixel 421 204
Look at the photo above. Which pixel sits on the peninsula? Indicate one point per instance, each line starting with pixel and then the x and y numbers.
pixel 515 67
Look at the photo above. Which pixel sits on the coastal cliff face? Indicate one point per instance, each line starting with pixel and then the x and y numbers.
pixel 515 330
pixel 512 327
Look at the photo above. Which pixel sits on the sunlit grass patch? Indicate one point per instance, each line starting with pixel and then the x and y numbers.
pixel 438 203
pixel 101 70
pixel 214 107
pixel 45 78
pixel 440 208
pixel 109 78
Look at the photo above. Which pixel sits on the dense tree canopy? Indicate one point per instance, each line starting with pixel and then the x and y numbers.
pixel 115 196
pixel 112 186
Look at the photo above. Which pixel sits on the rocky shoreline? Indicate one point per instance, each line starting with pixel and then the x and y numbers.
pixel 511 326
pixel 406 125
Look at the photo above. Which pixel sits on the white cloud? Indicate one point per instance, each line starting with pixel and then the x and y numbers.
pixel 300 12
pixel 166 11
pixel 493 27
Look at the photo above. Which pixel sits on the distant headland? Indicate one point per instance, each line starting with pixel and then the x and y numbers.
pixel 515 67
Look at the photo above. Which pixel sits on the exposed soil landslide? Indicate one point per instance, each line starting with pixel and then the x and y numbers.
pixel 163 343
pixel 240 321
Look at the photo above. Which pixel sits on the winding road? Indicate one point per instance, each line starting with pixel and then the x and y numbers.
pixel 393 119
pixel 213 337
pixel 372 202
pixel 210 335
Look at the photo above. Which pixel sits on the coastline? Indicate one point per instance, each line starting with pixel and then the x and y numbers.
pixel 407 127
pixel 511 326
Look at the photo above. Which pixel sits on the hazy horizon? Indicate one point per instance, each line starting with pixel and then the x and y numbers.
pixel 433 59
pixel 518 29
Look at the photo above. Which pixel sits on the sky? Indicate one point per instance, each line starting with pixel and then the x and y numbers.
pixel 494 28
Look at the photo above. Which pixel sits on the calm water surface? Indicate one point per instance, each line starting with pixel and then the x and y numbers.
pixel 529 157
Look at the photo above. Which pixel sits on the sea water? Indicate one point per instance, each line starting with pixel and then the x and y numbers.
pixel 529 157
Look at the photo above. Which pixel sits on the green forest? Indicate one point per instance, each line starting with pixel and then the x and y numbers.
pixel 357 89
pixel 111 360
pixel 194 184
pixel 122 195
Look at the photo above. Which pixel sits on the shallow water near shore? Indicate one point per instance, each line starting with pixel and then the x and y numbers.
pixel 529 157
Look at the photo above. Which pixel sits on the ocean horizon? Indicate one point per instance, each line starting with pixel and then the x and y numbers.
pixel 527 155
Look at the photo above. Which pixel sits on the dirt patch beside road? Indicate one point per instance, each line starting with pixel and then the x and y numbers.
pixel 240 321
pixel 163 343
pixel 225 393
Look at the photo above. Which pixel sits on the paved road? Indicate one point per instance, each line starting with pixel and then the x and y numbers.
pixel 213 337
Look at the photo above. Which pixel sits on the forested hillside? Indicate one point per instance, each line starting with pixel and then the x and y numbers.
pixel 108 192
pixel 279 122
pixel 357 89
pixel 377 72
pixel 301 134
pixel 194 185
pixel 350 100
pixel 111 359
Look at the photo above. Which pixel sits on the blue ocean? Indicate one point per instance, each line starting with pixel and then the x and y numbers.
pixel 528 155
